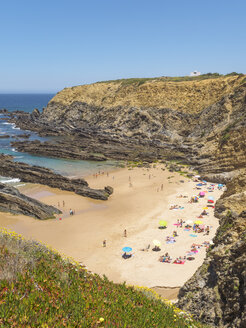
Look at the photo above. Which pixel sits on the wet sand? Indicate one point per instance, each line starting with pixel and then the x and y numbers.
pixel 137 205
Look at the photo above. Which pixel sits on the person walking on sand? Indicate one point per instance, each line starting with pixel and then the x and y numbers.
pixel 63 203
pixel 104 243
pixel 125 233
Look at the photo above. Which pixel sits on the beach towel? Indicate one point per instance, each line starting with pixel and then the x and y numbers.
pixel 182 262
pixel 191 235
pixel 171 242
pixel 191 254
pixel 186 229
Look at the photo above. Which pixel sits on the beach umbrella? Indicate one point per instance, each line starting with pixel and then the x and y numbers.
pixel 162 223
pixel 220 185
pixel 199 184
pixel 202 193
pixel 189 221
pixel 197 176
pixel 205 208
pixel 126 249
pixel 157 243
pixel 198 222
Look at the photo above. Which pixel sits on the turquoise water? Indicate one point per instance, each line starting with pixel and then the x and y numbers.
pixel 75 168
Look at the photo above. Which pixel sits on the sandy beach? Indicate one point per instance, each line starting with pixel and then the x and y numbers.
pixel 137 205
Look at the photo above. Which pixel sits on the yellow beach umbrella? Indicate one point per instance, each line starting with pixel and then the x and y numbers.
pixel 198 222
pixel 162 223
pixel 156 242
pixel 205 208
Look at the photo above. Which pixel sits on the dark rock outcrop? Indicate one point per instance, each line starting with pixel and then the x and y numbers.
pixel 11 200
pixel 41 175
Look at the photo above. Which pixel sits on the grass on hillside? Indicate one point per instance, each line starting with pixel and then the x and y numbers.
pixel 40 288
pixel 139 81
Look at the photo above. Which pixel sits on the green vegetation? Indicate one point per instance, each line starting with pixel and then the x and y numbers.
pixel 40 288
pixel 139 81
pixel 224 139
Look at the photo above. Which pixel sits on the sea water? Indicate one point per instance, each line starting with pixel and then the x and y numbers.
pixel 27 102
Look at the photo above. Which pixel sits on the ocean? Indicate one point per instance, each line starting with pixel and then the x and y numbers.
pixel 27 102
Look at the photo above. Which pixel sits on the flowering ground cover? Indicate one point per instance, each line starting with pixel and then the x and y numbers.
pixel 41 288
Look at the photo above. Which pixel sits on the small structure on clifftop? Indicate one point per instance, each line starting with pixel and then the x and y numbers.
pixel 195 73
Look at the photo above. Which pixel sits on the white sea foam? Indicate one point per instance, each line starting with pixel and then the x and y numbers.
pixel 7 123
pixel 20 185
pixel 13 149
pixel 10 180
pixel 15 128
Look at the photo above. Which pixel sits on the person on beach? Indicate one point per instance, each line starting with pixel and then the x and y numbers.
pixel 104 243
pixel 71 211
pixel 63 203
pixel 125 233
pixel 162 187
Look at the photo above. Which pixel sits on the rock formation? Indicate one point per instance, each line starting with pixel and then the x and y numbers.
pixel 11 200
pixel 41 175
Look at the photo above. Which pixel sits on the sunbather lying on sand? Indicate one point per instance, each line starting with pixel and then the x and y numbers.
pixel 178 261
pixel 165 259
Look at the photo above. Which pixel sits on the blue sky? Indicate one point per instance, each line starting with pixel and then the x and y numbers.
pixel 49 45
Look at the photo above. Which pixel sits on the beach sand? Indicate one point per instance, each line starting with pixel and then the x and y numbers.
pixel 137 205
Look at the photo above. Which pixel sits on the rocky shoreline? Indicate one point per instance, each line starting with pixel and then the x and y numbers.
pixel 41 175
pixel 11 200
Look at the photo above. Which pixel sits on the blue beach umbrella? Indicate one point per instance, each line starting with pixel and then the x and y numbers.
pixel 220 185
pixel 126 249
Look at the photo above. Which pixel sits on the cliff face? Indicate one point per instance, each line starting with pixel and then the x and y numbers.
pixel 187 96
